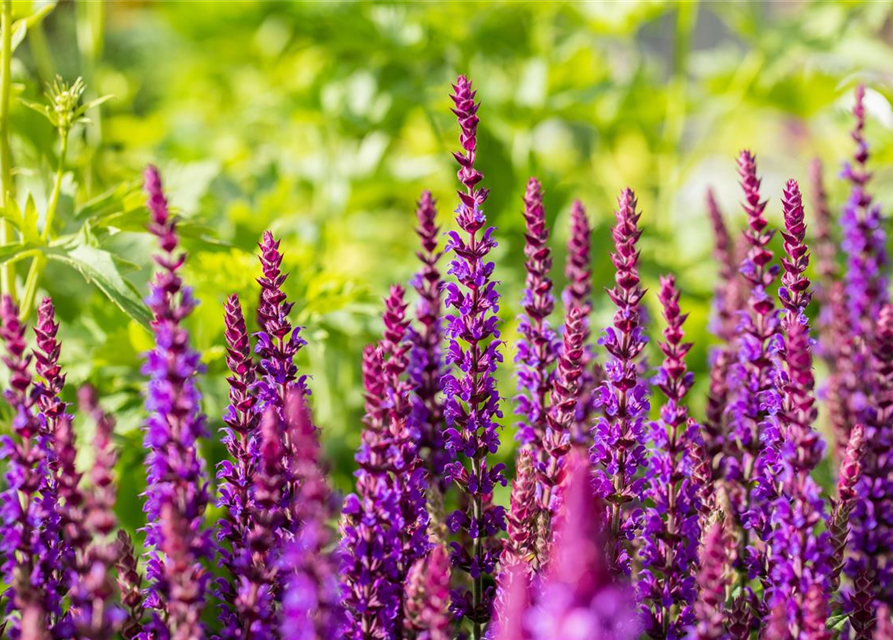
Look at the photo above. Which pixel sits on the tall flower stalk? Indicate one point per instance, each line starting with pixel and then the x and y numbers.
pixel 537 348
pixel 177 493
pixel 671 531
pixel 618 452
pixel 471 403
pixel 755 370
pixel 426 358
pixel 578 294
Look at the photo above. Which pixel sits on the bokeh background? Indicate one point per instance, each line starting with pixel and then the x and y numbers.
pixel 324 121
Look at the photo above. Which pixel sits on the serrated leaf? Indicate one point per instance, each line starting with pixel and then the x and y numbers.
pixel 100 268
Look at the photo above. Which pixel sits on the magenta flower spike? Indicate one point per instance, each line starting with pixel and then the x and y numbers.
pixel 618 452
pixel 426 357
pixel 177 493
pixel 713 580
pixel 428 596
pixel 471 402
pixel 671 531
pixel 537 348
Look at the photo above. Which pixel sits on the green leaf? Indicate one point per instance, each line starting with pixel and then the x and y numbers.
pixel 12 251
pixel 99 267
pixel 20 27
pixel 84 108
pixel 29 221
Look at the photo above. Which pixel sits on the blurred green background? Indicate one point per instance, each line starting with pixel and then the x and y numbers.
pixel 324 121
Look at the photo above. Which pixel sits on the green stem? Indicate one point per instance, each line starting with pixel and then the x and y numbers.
pixel 37 266
pixel 7 188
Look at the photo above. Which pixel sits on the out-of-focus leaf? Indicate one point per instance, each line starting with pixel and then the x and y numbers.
pixel 13 251
pixel 100 268
pixel 20 27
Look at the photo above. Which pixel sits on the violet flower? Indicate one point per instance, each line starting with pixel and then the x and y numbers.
pixel 22 504
pixel 618 452
pixel 578 293
pixel 277 342
pixel 754 373
pixel 798 560
pixel 578 599
pixel 713 581
pixel 864 238
pixel 428 596
pixel 670 531
pixel 871 522
pixel 311 607
pixel 426 357
pixel 97 617
pixel 537 348
pixel 177 492
pixel 564 400
pixel 728 301
pixel 471 403
pixel 236 473
pixel 130 586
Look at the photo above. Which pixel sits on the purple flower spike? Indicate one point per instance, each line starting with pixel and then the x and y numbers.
pixel 537 347
pixel 799 564
pixel 130 583
pixel 277 342
pixel 618 451
pixel 96 616
pixel 713 580
pixel 426 358
pixel 428 596
pixel 871 522
pixel 839 522
pixel 754 373
pixel 471 403
pixel 565 396
pixel 578 293
pixel 177 493
pixel 23 505
pixel 671 532
pixel 578 598
pixel 311 607
pixel 884 628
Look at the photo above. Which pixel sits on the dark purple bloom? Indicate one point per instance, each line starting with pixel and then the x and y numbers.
pixel 578 598
pixel 754 375
pixel 96 616
pixel 177 492
pixel 311 607
pixel 578 293
pixel 236 474
pixel 277 342
pixel 428 596
pixel 713 580
pixel 537 348
pixel 670 528
pixel 618 452
pixel 23 505
pixel 839 521
pixel 871 522
pixel 562 412
pixel 471 402
pixel 130 586
pixel 426 358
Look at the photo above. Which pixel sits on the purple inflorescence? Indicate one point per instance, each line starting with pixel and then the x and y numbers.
pixel 428 596
pixel 177 492
pixel 471 404
pixel 618 452
pixel 669 551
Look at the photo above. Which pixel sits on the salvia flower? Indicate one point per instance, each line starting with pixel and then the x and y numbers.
pixel 713 582
pixel 537 347
pixel 754 373
pixel 311 607
pixel 471 401
pixel 618 452
pixel 799 564
pixel 428 596
pixel 278 342
pixel 22 504
pixel 871 522
pixel 670 528
pixel 130 584
pixel 177 492
pixel 426 358
pixel 884 628
pixel 578 598
pixel 564 400
pixel 839 521
pixel 578 293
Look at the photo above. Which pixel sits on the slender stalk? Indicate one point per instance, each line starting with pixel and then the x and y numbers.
pixel 7 189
